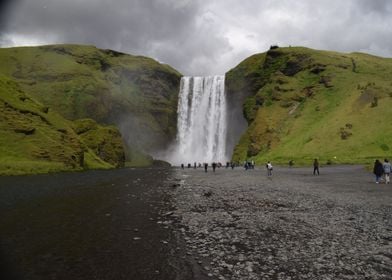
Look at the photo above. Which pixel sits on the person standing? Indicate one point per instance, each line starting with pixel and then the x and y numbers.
pixel 269 168
pixel 205 167
pixel 214 166
pixel 316 167
pixel 378 170
pixel 387 170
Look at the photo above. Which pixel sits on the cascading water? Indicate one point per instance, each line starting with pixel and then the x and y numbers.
pixel 202 120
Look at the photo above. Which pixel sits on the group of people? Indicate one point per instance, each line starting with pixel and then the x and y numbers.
pixel 214 165
pixel 382 171
pixel 316 166
pixel 249 164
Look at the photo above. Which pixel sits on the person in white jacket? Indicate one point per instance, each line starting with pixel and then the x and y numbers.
pixel 269 168
pixel 387 170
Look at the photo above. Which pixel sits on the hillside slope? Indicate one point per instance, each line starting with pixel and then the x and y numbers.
pixel 302 104
pixel 137 94
pixel 35 139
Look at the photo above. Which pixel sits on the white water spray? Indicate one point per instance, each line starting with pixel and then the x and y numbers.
pixel 202 121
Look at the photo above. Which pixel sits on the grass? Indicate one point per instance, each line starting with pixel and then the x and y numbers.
pixel 338 114
pixel 109 87
pixel 106 142
pixel 35 139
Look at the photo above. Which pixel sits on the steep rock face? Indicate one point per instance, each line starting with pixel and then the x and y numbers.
pixel 137 94
pixel 301 104
pixel 241 82
pixel 34 139
pixel 104 141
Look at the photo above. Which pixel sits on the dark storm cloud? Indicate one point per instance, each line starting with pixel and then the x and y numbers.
pixel 381 7
pixel 202 37
pixel 4 8
pixel 174 32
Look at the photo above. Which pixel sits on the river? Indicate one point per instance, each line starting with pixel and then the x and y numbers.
pixel 90 225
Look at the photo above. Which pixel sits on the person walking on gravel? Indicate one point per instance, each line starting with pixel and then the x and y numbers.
pixel 316 167
pixel 387 170
pixel 269 169
pixel 378 170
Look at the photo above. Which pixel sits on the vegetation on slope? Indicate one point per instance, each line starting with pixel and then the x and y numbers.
pixel 137 94
pixel 35 139
pixel 104 141
pixel 302 104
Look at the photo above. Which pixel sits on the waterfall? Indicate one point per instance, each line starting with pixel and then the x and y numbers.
pixel 202 121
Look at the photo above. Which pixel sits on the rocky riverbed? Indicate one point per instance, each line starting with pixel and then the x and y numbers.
pixel 240 224
pixel 179 224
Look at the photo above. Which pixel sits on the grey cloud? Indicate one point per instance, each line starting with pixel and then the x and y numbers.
pixel 381 7
pixel 170 31
pixel 202 37
pixel 5 5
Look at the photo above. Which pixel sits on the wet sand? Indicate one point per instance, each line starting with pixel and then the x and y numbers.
pixel 187 224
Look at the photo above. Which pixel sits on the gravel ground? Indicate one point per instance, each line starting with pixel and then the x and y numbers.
pixel 241 224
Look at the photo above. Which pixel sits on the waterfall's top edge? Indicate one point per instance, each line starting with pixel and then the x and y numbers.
pixel 208 76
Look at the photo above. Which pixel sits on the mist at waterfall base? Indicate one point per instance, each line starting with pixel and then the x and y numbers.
pixel 202 121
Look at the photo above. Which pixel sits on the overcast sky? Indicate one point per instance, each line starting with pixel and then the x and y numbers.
pixel 200 37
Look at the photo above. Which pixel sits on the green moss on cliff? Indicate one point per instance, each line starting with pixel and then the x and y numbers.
pixel 302 104
pixel 104 141
pixel 34 139
pixel 137 94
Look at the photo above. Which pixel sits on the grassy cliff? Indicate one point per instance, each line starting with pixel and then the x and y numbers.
pixel 302 104
pixel 104 141
pixel 35 139
pixel 136 94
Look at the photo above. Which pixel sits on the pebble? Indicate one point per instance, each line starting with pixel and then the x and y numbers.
pixel 254 229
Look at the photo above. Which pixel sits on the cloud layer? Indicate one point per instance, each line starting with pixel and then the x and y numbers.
pixel 201 37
